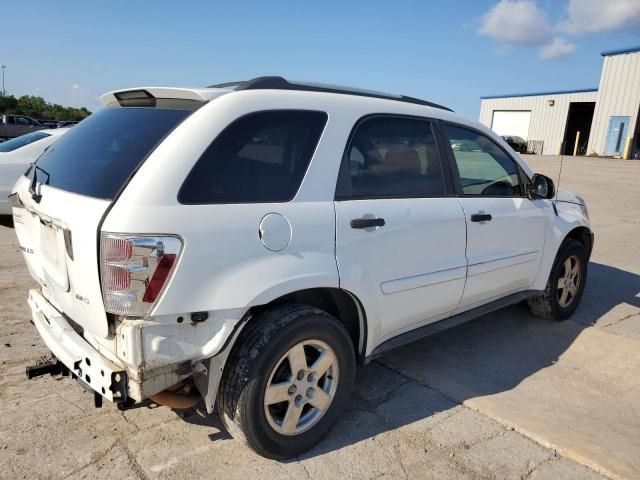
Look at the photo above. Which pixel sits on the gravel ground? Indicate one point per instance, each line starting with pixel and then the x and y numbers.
pixel 507 396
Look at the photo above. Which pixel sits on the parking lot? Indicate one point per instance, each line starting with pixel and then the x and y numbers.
pixel 506 396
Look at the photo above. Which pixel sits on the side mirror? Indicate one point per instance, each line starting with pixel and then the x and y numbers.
pixel 541 187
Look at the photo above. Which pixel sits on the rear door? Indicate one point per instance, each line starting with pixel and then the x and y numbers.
pixel 505 229
pixel 400 240
pixel 59 204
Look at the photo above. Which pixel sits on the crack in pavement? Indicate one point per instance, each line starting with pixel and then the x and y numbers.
pixel 513 428
pixel 137 467
pixel 306 470
pixel 530 470
pixel 99 457
pixel 620 320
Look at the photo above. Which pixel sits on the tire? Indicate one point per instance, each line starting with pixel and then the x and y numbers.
pixel 262 356
pixel 550 304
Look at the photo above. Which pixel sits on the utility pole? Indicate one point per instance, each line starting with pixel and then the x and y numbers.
pixel 4 93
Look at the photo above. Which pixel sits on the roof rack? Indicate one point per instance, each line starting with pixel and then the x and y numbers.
pixel 279 83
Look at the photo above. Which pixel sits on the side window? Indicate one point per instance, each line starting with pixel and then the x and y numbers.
pixel 391 157
pixel 23 121
pixel 11 119
pixel 261 157
pixel 485 169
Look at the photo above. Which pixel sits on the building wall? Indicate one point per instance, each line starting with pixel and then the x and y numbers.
pixel 547 123
pixel 619 95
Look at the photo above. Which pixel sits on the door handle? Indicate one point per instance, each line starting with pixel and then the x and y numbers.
pixel 481 217
pixel 367 222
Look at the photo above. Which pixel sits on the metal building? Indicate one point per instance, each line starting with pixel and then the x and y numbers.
pixel 607 118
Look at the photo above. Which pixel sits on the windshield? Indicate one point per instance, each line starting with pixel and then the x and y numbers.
pixel 23 140
pixel 97 156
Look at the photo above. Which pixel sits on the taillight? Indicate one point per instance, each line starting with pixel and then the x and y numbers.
pixel 159 278
pixel 116 249
pixel 116 278
pixel 135 269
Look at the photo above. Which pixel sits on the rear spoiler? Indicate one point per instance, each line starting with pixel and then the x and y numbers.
pixel 148 96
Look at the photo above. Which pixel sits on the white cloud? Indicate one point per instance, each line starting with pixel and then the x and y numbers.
pixel 513 23
pixel 592 16
pixel 75 86
pixel 516 22
pixel 559 47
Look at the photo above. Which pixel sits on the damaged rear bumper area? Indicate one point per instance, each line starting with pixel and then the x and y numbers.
pixel 74 355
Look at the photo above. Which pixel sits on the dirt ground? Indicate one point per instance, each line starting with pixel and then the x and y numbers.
pixel 506 396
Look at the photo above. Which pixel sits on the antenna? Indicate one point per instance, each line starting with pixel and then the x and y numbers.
pixel 555 201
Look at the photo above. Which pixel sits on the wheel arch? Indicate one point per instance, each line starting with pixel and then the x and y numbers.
pixel 340 303
pixel 584 236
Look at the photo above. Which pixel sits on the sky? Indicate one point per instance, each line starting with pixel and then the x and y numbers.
pixel 449 52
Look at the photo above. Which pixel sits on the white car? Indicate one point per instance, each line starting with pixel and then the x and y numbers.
pixel 16 154
pixel 246 245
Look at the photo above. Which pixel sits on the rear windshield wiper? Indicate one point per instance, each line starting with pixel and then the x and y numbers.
pixel 36 196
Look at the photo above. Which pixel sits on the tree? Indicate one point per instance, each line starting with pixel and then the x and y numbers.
pixel 8 104
pixel 37 107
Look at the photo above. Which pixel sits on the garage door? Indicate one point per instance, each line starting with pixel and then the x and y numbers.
pixel 511 123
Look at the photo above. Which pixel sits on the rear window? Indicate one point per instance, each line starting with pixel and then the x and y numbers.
pixel 22 141
pixel 96 157
pixel 261 157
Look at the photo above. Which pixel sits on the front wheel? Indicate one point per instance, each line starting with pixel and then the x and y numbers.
pixel 287 381
pixel 565 285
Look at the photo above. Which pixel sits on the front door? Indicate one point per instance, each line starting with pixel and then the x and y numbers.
pixel 505 229
pixel 617 135
pixel 400 241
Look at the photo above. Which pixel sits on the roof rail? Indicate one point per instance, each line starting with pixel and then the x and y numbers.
pixel 280 83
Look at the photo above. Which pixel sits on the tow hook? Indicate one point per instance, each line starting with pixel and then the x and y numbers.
pixel 51 366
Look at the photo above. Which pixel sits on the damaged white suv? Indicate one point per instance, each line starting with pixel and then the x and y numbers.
pixel 248 244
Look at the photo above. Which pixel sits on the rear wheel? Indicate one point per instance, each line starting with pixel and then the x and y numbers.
pixel 287 381
pixel 565 285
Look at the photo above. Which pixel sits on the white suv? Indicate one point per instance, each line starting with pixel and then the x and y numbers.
pixel 248 244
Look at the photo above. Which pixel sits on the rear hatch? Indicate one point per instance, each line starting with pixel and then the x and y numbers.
pixel 60 202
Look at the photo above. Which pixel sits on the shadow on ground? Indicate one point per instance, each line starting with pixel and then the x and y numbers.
pixel 607 287
pixel 6 221
pixel 489 355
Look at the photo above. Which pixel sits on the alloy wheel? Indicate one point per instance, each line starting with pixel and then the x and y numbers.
pixel 569 281
pixel 301 387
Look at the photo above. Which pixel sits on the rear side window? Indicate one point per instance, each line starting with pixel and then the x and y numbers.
pixel 261 157
pixel 391 157
pixel 97 157
pixel 21 141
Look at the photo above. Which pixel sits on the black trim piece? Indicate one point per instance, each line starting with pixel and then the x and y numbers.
pixel 68 242
pixel 445 160
pixel 343 182
pixel 280 83
pixel 439 326
pixel 360 223
pixel 15 200
pixel 135 98
pixel 481 217
pixel 119 383
pixel 240 324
